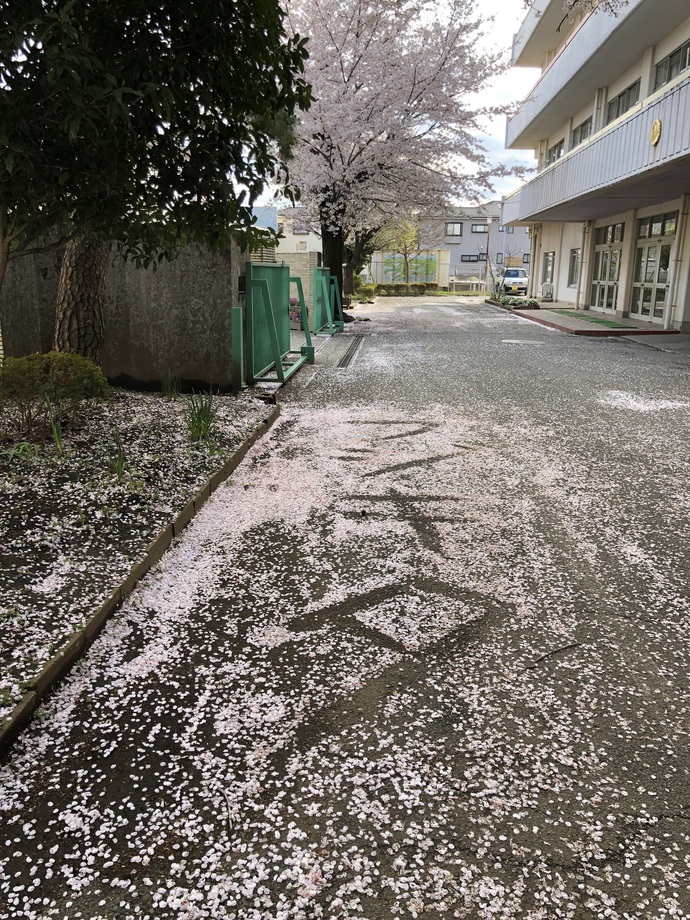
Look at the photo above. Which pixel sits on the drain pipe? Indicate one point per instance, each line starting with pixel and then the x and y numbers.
pixel 680 243
pixel 584 261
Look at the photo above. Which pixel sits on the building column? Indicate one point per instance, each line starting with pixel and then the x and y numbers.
pixel 534 258
pixel 584 264
pixel 677 266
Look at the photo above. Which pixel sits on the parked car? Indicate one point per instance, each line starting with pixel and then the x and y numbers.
pixel 514 281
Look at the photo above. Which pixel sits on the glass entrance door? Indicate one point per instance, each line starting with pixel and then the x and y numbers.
pixel 650 281
pixel 655 239
pixel 608 250
pixel 605 278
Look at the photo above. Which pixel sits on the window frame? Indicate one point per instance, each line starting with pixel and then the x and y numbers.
pixel 574 265
pixel 555 152
pixel 453 223
pixel 480 228
pixel 577 136
pixel 662 72
pixel 623 101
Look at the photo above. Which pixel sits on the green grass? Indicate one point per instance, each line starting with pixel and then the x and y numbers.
pixel 600 321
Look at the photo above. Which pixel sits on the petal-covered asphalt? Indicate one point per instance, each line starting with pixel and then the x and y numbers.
pixel 425 655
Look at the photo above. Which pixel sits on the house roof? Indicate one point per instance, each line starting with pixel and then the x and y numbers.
pixel 490 209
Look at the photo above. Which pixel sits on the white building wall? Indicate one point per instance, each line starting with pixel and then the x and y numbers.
pixel 632 162
pixel 559 238
pixel 672 41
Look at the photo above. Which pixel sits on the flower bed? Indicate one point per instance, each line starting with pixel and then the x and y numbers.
pixel 72 526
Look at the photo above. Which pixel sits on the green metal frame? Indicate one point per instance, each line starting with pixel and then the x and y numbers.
pixel 326 297
pixel 237 359
pixel 268 353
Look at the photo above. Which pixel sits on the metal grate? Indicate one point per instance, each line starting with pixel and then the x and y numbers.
pixel 349 355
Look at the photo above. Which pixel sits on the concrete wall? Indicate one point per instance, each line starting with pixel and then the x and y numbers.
pixel 174 319
pixel 27 303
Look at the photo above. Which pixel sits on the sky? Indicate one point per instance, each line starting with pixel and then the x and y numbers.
pixel 509 88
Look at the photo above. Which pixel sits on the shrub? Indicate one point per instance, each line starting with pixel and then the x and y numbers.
pixel 400 289
pixel 524 303
pixel 365 291
pixel 32 383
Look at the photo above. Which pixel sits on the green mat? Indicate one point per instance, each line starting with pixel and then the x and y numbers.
pixel 588 318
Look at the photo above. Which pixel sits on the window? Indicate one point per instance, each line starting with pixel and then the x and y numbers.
pixel 659 225
pixel 499 258
pixel 672 65
pixel 582 132
pixel 555 153
pixel 525 258
pixel 623 101
pixel 454 229
pixel 574 267
pixel 612 233
pixel 480 228
pixel 501 228
pixel 549 262
pixel 482 257
pixel 469 258
pixel 300 229
pixel 302 246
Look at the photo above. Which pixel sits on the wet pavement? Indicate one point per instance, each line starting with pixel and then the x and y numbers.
pixel 425 655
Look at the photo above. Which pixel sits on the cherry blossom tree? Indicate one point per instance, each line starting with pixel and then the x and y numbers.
pixel 395 122
pixel 570 6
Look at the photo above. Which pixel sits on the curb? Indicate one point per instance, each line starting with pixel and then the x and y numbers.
pixel 61 664
pixel 603 332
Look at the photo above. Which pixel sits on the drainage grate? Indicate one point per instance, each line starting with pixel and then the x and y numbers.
pixel 349 355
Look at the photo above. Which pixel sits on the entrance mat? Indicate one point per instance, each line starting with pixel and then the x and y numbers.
pixel 577 314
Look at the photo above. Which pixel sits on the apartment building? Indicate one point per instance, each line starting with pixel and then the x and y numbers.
pixel 609 120
pixel 297 233
pixel 475 235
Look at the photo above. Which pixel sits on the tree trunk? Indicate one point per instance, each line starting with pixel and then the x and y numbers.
pixel 333 245
pixel 80 312
pixel 349 278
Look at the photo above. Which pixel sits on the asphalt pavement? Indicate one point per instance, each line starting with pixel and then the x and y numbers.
pixel 425 654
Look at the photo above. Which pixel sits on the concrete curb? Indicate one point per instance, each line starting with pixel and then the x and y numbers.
pixel 600 332
pixel 60 664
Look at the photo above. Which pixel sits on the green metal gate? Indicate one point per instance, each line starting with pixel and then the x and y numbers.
pixel 327 313
pixel 261 330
